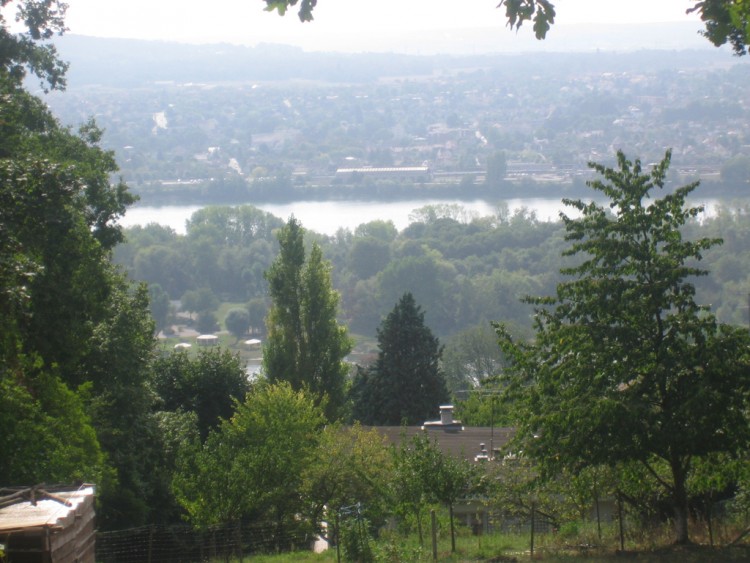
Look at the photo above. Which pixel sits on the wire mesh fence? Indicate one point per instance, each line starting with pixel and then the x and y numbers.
pixel 185 544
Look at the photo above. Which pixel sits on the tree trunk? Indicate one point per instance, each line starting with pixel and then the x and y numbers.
pixel 680 501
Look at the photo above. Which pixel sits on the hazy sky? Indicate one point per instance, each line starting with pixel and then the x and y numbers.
pixel 339 24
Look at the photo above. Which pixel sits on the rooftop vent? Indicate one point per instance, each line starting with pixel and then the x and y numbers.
pixel 446 421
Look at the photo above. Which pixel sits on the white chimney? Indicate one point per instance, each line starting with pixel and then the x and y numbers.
pixel 446 414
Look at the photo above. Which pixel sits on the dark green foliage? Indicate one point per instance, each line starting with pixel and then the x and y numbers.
pixel 199 301
pixel 626 366
pixel 727 21
pixel 45 433
pixel 368 256
pixel 405 386
pixel 76 337
pixel 540 12
pixel 237 322
pixel 208 385
pixel 305 345
pixel 206 323
pixel 117 365
pixel 159 305
pixel 19 52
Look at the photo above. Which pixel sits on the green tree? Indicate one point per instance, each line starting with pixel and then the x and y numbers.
pixel 117 367
pixel 413 460
pixel 254 462
pixel 368 256
pixel 626 366
pixel 451 480
pixel 206 323
pixel 405 386
pixel 26 50
pixel 199 300
pixel 45 433
pixel 305 345
pixel 471 357
pixel 159 305
pixel 66 311
pixel 237 322
pixel 727 21
pixel 208 385
pixel 350 465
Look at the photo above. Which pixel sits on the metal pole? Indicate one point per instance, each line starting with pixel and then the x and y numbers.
pixel 492 428
pixel 434 535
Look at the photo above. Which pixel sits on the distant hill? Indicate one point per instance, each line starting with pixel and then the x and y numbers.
pixel 129 62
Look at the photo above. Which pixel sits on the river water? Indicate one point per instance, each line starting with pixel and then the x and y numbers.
pixel 326 217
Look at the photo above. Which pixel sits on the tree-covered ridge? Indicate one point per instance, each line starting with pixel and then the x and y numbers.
pixel 463 270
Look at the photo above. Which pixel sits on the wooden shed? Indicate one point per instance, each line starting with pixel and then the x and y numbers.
pixel 47 524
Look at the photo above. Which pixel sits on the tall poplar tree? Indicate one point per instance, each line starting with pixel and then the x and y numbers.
pixel 626 366
pixel 305 346
pixel 406 384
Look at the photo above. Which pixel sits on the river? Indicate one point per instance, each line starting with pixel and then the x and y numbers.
pixel 326 217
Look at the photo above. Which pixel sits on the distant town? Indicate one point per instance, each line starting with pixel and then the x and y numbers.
pixel 252 124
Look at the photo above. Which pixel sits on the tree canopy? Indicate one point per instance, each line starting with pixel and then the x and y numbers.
pixel 406 385
pixel 726 21
pixel 305 346
pixel 253 463
pixel 26 50
pixel 626 366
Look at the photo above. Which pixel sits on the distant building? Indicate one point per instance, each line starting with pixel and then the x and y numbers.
pixel 418 173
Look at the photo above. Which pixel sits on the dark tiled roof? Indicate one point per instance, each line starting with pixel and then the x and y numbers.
pixel 460 443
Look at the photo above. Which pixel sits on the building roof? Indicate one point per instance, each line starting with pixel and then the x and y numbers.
pixel 457 441
pixel 45 512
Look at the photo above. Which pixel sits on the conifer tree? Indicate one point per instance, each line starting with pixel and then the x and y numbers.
pixel 406 384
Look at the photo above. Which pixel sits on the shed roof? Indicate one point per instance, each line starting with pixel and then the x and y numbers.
pixel 46 512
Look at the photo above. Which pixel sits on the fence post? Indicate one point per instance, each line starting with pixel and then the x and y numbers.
pixel 150 541
pixel 238 531
pixel 434 534
pixel 338 542
pixel 619 518
pixel 533 525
